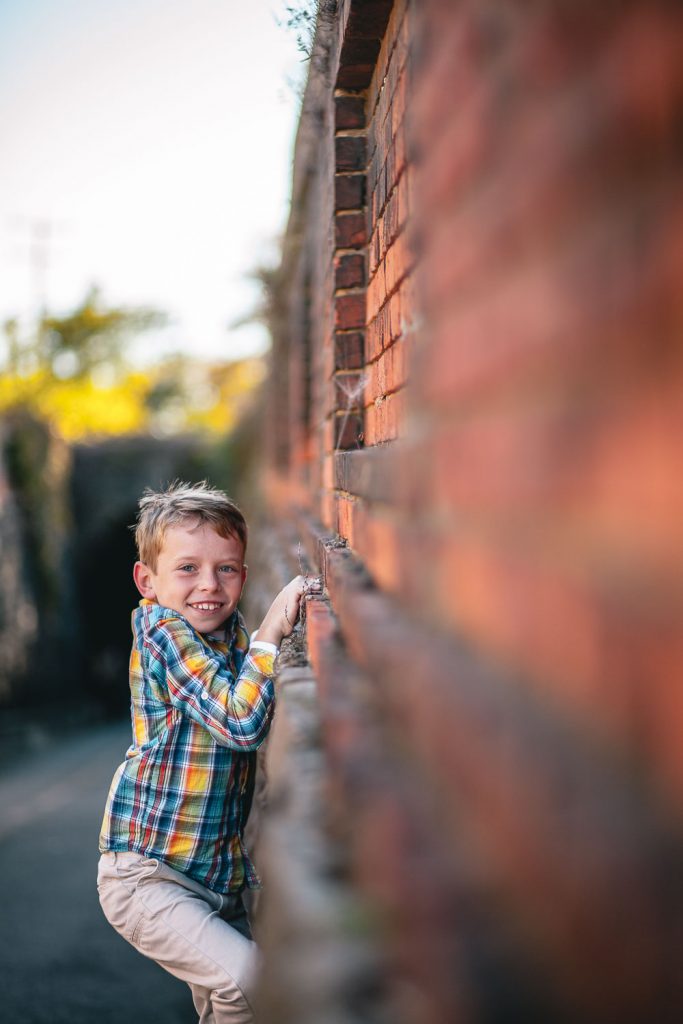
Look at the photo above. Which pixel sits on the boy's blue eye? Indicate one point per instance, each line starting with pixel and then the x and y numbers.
pixel 186 568
pixel 228 568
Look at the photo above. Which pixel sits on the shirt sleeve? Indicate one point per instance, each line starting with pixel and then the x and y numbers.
pixel 236 711
pixel 262 645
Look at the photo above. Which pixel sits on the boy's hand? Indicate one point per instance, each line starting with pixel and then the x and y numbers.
pixel 284 611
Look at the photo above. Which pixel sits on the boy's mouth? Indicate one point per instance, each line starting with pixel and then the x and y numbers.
pixel 207 606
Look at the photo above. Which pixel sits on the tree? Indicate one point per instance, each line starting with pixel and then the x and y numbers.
pixel 92 336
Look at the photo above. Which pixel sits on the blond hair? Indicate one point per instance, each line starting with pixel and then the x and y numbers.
pixel 179 503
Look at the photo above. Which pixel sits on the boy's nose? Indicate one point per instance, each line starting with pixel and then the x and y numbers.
pixel 208 580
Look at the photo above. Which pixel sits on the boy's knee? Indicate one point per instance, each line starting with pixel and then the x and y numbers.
pixel 231 1005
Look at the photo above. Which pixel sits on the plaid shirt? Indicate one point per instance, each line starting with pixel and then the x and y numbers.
pixel 200 708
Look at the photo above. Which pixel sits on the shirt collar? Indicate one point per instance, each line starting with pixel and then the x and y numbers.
pixel 225 635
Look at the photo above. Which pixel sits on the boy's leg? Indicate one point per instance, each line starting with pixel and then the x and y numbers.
pixel 183 926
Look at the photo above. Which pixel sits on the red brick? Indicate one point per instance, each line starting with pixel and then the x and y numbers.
pixel 347 392
pixel 408 307
pixel 524 203
pixel 348 351
pixel 349 311
pixel 390 269
pixel 403 200
pixel 349 111
pixel 600 653
pixel 372 430
pixel 399 153
pixel 510 797
pixel 390 220
pixel 328 510
pixel 379 544
pixel 383 419
pixel 350 230
pixel 349 152
pixel 349 191
pixel 386 375
pixel 608 471
pixel 348 430
pixel 374 335
pixel 455 68
pixel 398 105
pixel 376 292
pixel 320 627
pixel 373 253
pixel 349 270
pixel 328 474
pixel 396 323
pixel 347 515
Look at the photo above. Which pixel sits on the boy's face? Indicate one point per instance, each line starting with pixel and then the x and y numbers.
pixel 199 574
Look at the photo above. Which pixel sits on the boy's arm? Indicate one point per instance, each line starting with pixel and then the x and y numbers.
pixel 284 611
pixel 235 710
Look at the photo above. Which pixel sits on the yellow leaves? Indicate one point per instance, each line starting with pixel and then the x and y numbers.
pixel 77 408
pixel 80 408
pixel 200 397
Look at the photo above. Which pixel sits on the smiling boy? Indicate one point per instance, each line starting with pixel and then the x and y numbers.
pixel 173 864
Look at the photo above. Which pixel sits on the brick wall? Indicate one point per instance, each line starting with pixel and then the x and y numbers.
pixel 479 447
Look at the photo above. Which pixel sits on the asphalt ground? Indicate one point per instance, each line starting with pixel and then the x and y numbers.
pixel 60 960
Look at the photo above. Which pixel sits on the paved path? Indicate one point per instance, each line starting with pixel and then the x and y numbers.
pixel 60 961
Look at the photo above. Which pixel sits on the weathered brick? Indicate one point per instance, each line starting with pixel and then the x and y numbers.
pixel 349 311
pixel 349 111
pixel 382 419
pixel 403 199
pixel 396 318
pixel 349 270
pixel 348 430
pixel 376 292
pixel 386 374
pixel 372 473
pixel 398 105
pixel 522 231
pixel 541 462
pixel 349 191
pixel 347 392
pixel 348 349
pixel 349 152
pixel 374 336
pixel 379 544
pixel 345 518
pixel 519 820
pixel 349 230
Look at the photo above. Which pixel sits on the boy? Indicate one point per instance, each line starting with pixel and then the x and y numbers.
pixel 173 862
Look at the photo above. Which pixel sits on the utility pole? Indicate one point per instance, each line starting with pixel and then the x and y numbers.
pixel 41 233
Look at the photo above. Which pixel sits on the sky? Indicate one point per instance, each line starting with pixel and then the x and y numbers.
pixel 145 147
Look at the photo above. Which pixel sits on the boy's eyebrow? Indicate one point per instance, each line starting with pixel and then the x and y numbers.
pixel 193 558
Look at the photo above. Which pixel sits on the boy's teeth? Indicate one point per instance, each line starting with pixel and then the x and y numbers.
pixel 206 607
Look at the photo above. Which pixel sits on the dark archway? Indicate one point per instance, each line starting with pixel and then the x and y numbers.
pixel 108 596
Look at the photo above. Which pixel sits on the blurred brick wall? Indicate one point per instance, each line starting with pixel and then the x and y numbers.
pixel 475 433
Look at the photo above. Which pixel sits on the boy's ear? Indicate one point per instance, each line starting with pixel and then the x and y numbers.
pixel 244 574
pixel 143 580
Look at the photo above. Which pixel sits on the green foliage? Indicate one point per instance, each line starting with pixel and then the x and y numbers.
pixel 301 18
pixel 92 336
pixel 73 376
pixel 38 466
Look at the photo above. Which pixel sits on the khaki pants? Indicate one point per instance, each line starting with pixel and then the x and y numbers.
pixel 194 933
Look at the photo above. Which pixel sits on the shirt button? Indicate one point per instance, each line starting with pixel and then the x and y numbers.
pixel 204 695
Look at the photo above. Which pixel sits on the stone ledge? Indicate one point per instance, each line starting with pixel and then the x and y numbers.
pixel 319 959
